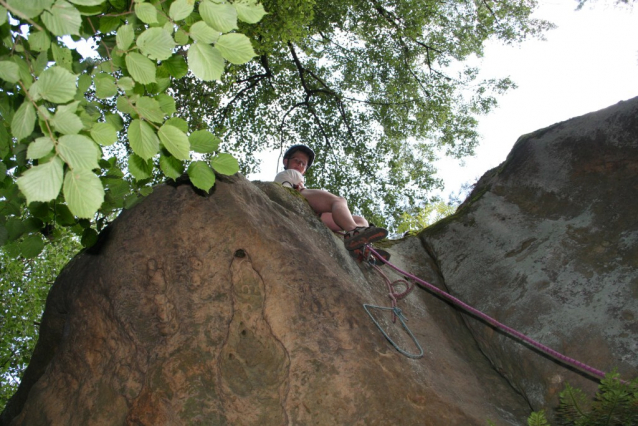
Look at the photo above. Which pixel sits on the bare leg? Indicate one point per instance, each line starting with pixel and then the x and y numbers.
pixel 324 202
pixel 327 219
pixel 360 221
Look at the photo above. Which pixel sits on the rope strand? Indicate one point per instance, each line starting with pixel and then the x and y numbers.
pixel 545 349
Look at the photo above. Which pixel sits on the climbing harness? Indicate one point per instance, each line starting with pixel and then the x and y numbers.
pixel 397 312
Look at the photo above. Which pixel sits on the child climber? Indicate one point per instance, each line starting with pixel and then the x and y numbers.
pixel 333 209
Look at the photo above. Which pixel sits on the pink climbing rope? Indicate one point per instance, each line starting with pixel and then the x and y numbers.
pixel 511 331
pixel 392 294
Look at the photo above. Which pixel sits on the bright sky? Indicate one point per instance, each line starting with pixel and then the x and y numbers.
pixel 588 63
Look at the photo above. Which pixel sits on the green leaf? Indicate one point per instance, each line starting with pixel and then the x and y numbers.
pixel 39 148
pixel 40 63
pixel 235 48
pixel 40 210
pixel 3 173
pixel 166 103
pixel 142 139
pixel 15 228
pixel 120 5
pixel 89 237
pixel 222 16
pixel 159 86
pixel 66 120
pixel 104 134
pixel 4 235
pixel 106 66
pixel 537 418
pixel 31 8
pixel 23 120
pixel 116 191
pixel 87 2
pixel 95 10
pixel 62 19
pixel 9 71
pixel 156 43
pixel 141 68
pixel 124 105
pixel 149 109
pixel 33 224
pixel 31 246
pixel 181 37
pixel 84 82
pixel 109 23
pixel 39 41
pixel 20 153
pixel 249 11
pixel 178 122
pixel 3 20
pixel 34 92
pixel 203 141
pixel 105 86
pixel 114 120
pixel 181 9
pixel 5 142
pixel 14 206
pixel 83 192
pixel 139 168
pixel 146 12
pixel 146 191
pixel 79 152
pixel 176 66
pixel 125 36
pixel 89 115
pixel 205 61
pixel 57 85
pixel 42 182
pixel 126 83
pixel 175 141
pixel 202 32
pixel 131 201
pixel 171 166
pixel 25 70
pixel 63 57
pixel 225 164
pixel 201 175
pixel 63 215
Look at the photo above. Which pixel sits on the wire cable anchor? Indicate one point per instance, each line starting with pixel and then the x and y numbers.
pixel 396 311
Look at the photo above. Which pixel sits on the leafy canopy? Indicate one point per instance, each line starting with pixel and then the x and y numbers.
pixel 80 139
pixel 419 219
pixel 368 84
pixel 24 286
pixel 374 87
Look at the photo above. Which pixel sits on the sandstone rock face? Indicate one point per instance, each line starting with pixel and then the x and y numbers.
pixel 547 243
pixel 241 308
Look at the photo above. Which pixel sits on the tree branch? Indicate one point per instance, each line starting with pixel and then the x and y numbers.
pixel 20 15
pixel 254 81
pixel 311 92
pixel 490 9
pixel 394 21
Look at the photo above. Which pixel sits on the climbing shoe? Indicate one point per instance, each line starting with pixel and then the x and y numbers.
pixel 361 236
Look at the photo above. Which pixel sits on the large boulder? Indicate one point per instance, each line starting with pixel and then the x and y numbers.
pixel 547 243
pixel 241 308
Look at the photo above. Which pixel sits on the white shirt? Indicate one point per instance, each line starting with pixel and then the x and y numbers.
pixel 290 178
